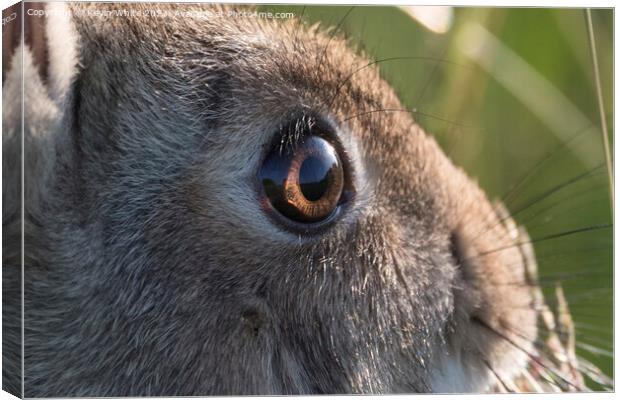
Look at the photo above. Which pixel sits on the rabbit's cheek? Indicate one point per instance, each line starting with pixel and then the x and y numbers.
pixel 493 323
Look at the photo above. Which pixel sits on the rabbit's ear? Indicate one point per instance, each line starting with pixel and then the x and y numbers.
pixel 39 65
pixel 11 37
pixel 49 51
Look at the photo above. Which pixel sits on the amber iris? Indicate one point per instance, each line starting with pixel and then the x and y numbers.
pixel 304 183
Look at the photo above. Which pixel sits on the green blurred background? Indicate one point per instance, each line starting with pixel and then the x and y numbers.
pixel 513 101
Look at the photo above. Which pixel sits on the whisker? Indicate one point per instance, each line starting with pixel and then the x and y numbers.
pixel 576 275
pixel 567 354
pixel 550 282
pixel 588 314
pixel 514 187
pixel 299 23
pixel 527 353
pixel 549 302
pixel 412 111
pixel 430 78
pixel 454 144
pixel 497 376
pixel 553 255
pixel 547 258
pixel 594 373
pixel 559 187
pixel 332 34
pixel 542 239
pixel 571 197
pixel 532 381
pixel 382 60
pixel 539 198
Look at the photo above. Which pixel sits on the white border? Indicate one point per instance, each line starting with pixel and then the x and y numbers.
pixel 478 3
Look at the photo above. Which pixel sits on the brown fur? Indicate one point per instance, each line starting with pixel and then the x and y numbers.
pixel 155 272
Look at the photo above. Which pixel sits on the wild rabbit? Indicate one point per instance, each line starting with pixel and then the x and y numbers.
pixel 223 205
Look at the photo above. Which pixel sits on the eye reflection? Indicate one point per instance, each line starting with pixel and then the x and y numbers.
pixel 304 183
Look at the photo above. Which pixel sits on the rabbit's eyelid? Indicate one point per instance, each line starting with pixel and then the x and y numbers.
pixel 353 156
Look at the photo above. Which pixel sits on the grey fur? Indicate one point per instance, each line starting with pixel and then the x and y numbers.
pixel 151 269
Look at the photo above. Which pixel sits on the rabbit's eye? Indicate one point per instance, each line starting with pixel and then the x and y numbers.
pixel 304 182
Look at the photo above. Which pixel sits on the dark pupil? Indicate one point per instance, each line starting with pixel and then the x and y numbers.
pixel 314 177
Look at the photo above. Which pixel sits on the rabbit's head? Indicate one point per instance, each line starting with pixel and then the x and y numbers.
pixel 233 205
